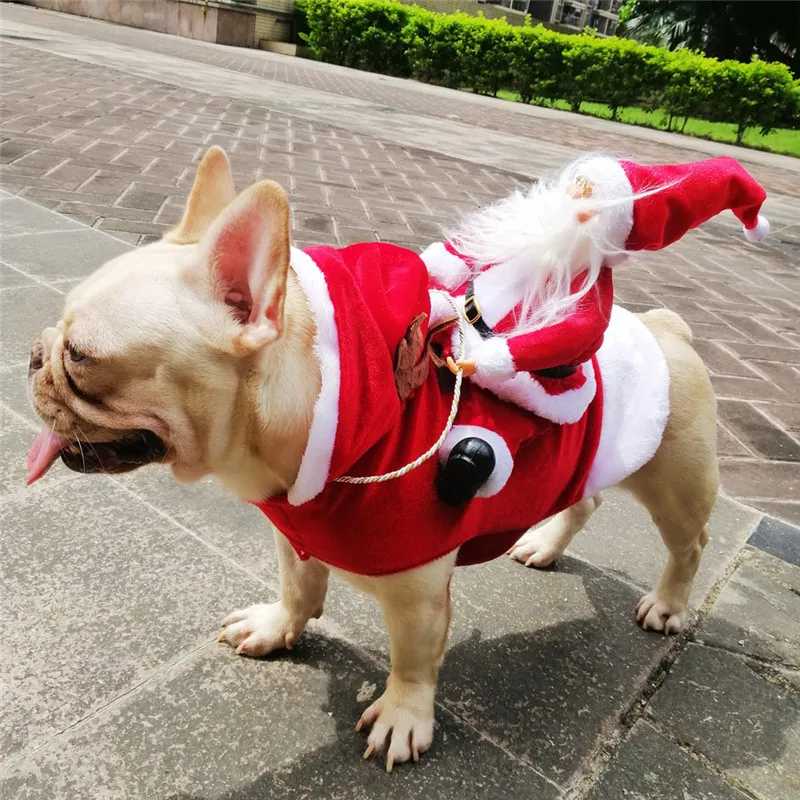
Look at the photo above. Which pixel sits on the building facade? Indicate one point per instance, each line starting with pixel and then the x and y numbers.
pixel 572 16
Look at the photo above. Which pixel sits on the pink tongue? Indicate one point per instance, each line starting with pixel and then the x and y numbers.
pixel 43 453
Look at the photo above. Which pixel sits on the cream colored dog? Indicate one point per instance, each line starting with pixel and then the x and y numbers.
pixel 148 364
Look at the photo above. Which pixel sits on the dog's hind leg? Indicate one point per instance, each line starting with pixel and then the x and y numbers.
pixel 681 521
pixel 541 546
pixel 416 607
pixel 262 628
pixel 679 485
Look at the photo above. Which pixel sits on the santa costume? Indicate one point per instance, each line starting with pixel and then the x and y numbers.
pixel 367 300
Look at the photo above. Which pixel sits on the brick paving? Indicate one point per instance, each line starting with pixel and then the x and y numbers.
pixel 116 152
pixel 503 117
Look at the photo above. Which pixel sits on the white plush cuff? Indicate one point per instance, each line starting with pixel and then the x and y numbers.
pixel 493 360
pixel 759 232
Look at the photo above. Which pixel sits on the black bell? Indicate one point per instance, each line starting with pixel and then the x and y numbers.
pixel 467 468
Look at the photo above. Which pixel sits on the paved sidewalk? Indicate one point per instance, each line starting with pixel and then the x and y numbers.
pixel 111 681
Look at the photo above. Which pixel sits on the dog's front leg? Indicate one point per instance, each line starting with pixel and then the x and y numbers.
pixel 416 607
pixel 259 629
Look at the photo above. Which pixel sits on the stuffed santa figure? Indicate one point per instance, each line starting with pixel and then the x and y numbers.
pixel 532 274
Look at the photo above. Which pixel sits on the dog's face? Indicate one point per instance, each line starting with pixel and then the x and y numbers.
pixel 154 353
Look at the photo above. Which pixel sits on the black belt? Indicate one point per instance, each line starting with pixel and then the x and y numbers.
pixel 473 315
pixel 472 312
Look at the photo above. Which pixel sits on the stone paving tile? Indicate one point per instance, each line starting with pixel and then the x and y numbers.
pixel 714 702
pixel 84 622
pixel 11 278
pixel 296 713
pixel 783 510
pixel 650 767
pixel 61 255
pixel 779 539
pixel 758 611
pixel 18 217
pixel 18 326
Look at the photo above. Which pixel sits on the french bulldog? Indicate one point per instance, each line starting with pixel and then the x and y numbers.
pixel 202 352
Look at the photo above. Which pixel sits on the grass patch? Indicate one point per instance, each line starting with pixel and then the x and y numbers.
pixel 781 140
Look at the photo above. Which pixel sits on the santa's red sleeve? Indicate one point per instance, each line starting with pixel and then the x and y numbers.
pixel 574 340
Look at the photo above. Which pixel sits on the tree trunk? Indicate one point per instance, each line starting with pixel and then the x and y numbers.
pixel 685 120
pixel 740 132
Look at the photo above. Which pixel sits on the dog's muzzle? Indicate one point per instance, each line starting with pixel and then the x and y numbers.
pixel 133 450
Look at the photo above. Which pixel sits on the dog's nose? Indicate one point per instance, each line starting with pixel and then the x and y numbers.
pixel 37 357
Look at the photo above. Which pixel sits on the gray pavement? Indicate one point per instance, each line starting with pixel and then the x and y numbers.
pixel 112 684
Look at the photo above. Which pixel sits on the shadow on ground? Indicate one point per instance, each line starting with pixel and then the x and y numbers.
pixel 538 688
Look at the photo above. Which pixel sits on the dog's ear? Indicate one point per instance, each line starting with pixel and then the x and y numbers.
pixel 212 191
pixel 247 251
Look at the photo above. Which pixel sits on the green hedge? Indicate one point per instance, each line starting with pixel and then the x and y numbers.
pixel 461 51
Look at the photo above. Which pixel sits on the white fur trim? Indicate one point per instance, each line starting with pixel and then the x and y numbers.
pixel 315 466
pixel 441 308
pixel 498 290
pixel 609 182
pixel 493 360
pixel 759 232
pixel 504 463
pixel 525 391
pixel 635 401
pixel 565 408
pixel 447 269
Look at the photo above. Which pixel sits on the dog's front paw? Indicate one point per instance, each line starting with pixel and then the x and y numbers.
pixel 657 615
pixel 260 629
pixel 402 722
pixel 539 547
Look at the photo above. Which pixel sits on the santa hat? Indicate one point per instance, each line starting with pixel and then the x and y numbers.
pixel 654 206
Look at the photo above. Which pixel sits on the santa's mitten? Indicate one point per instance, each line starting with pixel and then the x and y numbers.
pixel 469 465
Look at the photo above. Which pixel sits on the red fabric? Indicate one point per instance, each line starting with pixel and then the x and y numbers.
pixel 695 193
pixel 378 294
pixel 389 527
pixel 573 340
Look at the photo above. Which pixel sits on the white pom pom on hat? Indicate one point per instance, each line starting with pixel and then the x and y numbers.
pixel 757 233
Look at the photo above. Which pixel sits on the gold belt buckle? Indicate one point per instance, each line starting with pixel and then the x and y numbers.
pixel 471 301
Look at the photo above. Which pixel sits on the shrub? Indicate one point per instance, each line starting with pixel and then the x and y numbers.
pixel 459 51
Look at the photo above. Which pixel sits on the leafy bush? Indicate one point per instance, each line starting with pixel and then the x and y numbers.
pixel 461 51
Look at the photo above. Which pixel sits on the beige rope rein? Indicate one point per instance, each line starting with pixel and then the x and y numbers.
pixel 398 473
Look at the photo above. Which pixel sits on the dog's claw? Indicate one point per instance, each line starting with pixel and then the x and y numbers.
pixel 359 725
pixel 369 751
pixel 389 763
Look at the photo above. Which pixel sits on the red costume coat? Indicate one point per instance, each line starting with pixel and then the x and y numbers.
pixel 363 299
pixel 507 365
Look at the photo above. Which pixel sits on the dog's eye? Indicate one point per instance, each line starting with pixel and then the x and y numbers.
pixel 75 355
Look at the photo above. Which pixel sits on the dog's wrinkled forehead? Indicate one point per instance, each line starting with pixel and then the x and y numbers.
pixel 129 298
